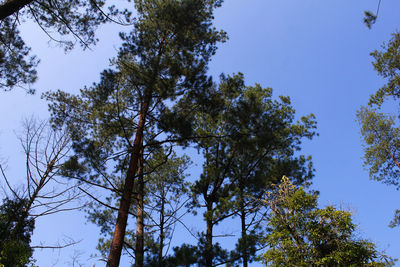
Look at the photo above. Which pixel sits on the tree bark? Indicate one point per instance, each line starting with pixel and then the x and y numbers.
pixel 139 249
pixel 120 227
pixel 209 236
pixel 125 203
pixel 245 256
pixel 12 6
pixel 162 222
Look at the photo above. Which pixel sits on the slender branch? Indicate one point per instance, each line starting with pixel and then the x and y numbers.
pixel 42 28
pixel 96 199
pixel 108 17
pixel 57 246
pixel 8 184
pixel 65 22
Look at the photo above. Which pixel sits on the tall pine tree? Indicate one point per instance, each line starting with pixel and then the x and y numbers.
pixel 254 141
pixel 163 60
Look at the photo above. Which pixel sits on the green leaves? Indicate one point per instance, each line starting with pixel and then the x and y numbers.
pixel 382 150
pixel 17 65
pixel 380 131
pixel 16 228
pixel 160 80
pixel 253 140
pixel 369 19
pixel 66 23
pixel 301 234
pixel 387 64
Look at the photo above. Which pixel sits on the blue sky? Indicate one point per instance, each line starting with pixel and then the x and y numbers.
pixel 316 52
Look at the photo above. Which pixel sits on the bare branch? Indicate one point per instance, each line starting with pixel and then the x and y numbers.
pixel 70 242
pixel 8 184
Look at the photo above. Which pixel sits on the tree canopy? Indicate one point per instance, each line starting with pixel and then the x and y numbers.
pixel 301 234
pixel 381 130
pixel 66 23
pixel 163 59
pixel 255 140
pixel 171 163
pixel 16 229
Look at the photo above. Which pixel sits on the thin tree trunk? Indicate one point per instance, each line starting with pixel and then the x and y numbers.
pixel 139 249
pixel 162 218
pixel 41 183
pixel 35 193
pixel 209 236
pixel 12 6
pixel 126 199
pixel 245 256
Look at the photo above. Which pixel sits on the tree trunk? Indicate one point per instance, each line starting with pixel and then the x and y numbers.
pixel 139 249
pixel 162 219
pixel 245 256
pixel 123 211
pixel 209 235
pixel 42 181
pixel 126 199
pixel 12 6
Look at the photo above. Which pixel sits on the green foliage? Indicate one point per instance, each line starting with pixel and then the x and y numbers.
pixel 162 66
pixel 185 255
pixel 164 203
pixel 301 234
pixel 158 56
pixel 380 131
pixel 248 244
pixel 396 220
pixel 166 193
pixel 387 64
pixel 253 141
pixel 16 228
pixel 16 64
pixel 369 19
pixel 382 150
pixel 72 21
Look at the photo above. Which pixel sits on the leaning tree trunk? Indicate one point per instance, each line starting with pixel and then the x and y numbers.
pixel 126 199
pixel 123 211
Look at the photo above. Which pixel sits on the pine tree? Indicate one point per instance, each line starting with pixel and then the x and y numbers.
pixel 164 59
pixel 253 142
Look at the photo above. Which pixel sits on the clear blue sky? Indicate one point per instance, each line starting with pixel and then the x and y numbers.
pixel 316 52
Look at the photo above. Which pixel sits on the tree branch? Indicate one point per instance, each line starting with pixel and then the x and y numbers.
pixel 12 6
